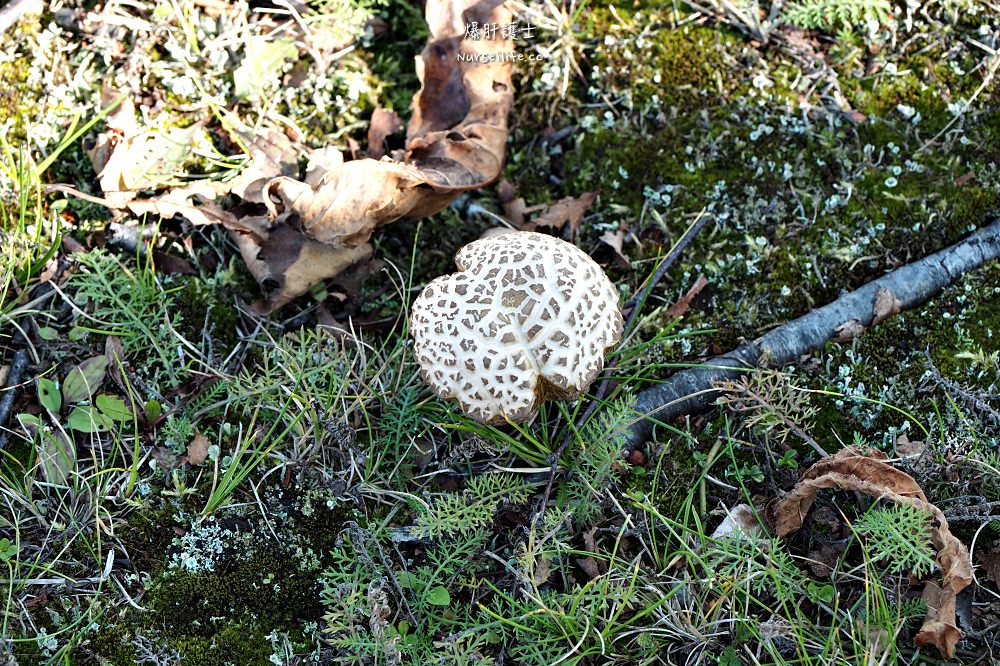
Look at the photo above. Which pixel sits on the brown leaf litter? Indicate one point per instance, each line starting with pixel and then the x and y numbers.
pixel 565 214
pixel 310 230
pixel 871 474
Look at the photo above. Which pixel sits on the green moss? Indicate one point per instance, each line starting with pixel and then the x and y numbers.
pixel 390 55
pixel 223 616
pixel 204 306
pixel 235 644
pixel 145 537
pixel 18 102
pixel 686 68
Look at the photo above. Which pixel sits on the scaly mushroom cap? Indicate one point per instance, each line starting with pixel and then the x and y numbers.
pixel 528 318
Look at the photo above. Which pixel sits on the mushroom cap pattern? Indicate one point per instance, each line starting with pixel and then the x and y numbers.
pixel 527 318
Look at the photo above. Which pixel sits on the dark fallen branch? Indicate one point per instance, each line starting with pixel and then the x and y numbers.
pixel 9 394
pixel 692 390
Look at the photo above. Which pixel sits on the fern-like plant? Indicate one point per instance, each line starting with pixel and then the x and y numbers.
pixel 593 469
pixel 132 306
pixel 771 405
pixel 900 536
pixel 456 513
pixel 829 15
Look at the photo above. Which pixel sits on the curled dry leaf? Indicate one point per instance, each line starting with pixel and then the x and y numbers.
pixel 312 229
pixel 456 138
pixel 197 449
pixel 567 212
pixel 886 305
pixel 849 469
pixel 384 124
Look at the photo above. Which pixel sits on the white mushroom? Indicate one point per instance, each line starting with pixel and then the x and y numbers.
pixel 528 318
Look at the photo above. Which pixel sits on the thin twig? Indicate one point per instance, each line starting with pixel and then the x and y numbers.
pixel 635 304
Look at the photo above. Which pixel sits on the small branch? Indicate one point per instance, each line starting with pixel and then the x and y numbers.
pixel 693 390
pixel 17 368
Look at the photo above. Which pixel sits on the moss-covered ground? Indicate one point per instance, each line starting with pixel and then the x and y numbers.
pixel 286 490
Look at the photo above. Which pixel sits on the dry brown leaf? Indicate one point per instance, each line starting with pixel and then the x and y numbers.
pixel 565 212
pixel 121 129
pixel 907 449
pixel 384 124
pixel 168 264
pixel 680 308
pixel 197 449
pixel 616 240
pixel 589 566
pixel 317 227
pixel 938 628
pixel 271 152
pixel 456 139
pixel 115 351
pixel 129 158
pixel 542 571
pixel 849 469
pixel 886 305
pixel 849 330
pixel 194 202
pixel 164 457
pixel 876 641
pixel 287 264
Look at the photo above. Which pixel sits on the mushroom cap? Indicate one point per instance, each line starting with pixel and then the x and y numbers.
pixel 527 318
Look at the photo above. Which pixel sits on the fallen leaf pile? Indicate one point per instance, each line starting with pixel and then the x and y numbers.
pixel 295 233
pixel 872 475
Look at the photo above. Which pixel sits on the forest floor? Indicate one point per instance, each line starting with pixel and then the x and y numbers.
pixel 186 481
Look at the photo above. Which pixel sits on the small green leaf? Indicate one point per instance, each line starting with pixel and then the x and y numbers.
pixel 438 596
pixel 47 333
pixel 821 593
pixel 113 407
pixel 264 60
pixel 152 410
pixel 57 454
pixel 407 581
pixel 87 419
pixel 7 550
pixel 48 395
pixel 29 421
pixel 84 379
pixel 78 333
